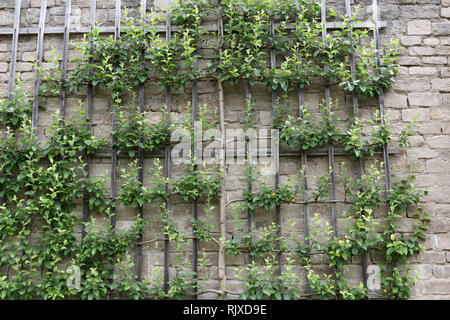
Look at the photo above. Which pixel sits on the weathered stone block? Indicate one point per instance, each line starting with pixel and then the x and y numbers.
pixel 439 113
pixel 424 271
pixel 441 271
pixel 438 165
pixel 428 71
pixel 424 99
pixel 419 27
pixel 411 41
pixel 438 195
pixel 394 100
pixel 434 60
pixel 409 61
pixel 4 67
pixel 32 15
pixel 412 85
pixel 443 241
pixel 28 56
pixel 439 142
pixel 443 50
pixel 421 51
pixel 431 41
pixel 442 85
pixel 431 257
pixel 420 114
pixel 436 287
pixel 6 18
pixel 421 153
pixel 441 28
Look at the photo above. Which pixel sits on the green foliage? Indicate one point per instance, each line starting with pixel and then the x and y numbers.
pixel 43 183
pixel 322 189
pixel 134 194
pixel 98 196
pixel 135 131
pixel 245 36
pixel 366 192
pixel 15 111
pixel 198 180
pixel 267 196
pixel 323 288
pixel 369 80
pixel 184 283
pixel 204 227
pixel 248 36
pixel 109 63
pixel 72 140
pixel 404 193
pixel 196 184
pixel 397 283
pixel 48 194
pixel 298 46
pixel 51 79
pixel 168 227
pixel 141 54
pixel 359 144
pixel 262 282
pixel 19 151
pixel 359 237
pixel 307 133
pixel 398 247
pixel 258 245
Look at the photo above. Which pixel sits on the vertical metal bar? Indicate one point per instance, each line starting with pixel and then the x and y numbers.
pixel 167 167
pixel 249 165
pixel 143 8
pixel 194 202
pixel 37 80
pixel 12 66
pixel 221 252
pixel 87 158
pixel 330 146
pixel 62 104
pixel 387 166
pixel 381 95
pixel 276 152
pixel 304 160
pixel 12 80
pixel 15 41
pixel 114 127
pixel 141 157
pixel 359 162
pixel 117 14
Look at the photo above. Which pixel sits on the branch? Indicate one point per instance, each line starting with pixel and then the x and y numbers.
pixel 218 292
pixel 215 240
pixel 235 200
pixel 151 241
pixel 163 239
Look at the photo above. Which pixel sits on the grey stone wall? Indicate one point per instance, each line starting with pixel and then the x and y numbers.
pixel 422 90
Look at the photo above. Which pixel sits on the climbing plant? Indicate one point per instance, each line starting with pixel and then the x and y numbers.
pixel 42 183
pixel 135 131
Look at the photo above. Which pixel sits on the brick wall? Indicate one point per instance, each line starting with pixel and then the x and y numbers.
pixel 422 90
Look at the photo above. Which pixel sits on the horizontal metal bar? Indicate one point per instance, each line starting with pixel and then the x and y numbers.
pixel 105 153
pixel 162 28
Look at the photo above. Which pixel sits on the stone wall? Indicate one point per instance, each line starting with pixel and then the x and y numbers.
pixel 422 90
